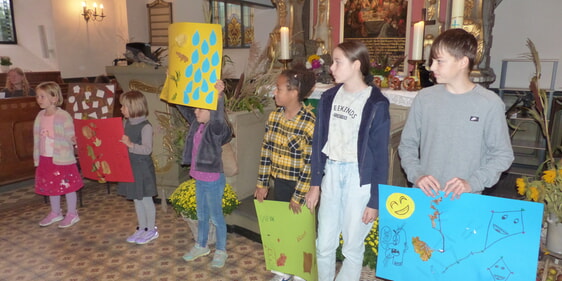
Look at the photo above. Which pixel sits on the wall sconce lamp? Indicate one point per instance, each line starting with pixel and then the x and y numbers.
pixel 92 14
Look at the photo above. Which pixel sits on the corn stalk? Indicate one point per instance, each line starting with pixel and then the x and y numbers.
pixel 539 111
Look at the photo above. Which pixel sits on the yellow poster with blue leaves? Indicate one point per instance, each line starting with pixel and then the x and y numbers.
pixel 194 64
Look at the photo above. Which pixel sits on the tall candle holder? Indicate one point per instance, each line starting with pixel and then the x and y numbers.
pixel 416 72
pixel 285 63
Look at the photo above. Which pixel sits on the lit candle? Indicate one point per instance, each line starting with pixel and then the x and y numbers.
pixel 417 46
pixel 84 7
pixel 284 44
pixel 95 8
pixel 101 7
pixel 457 14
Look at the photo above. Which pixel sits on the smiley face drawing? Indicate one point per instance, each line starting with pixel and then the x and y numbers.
pixel 400 205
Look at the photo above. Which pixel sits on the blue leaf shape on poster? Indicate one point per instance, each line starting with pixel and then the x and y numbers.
pixel 195 38
pixel 213 38
pixel 205 47
pixel 206 66
pixel 215 59
pixel 189 71
pixel 187 91
pixel 195 56
pixel 213 77
pixel 205 87
pixel 209 98
pixel 198 76
pixel 195 95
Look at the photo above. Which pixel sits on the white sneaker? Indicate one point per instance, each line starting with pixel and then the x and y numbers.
pixel 296 278
pixel 280 276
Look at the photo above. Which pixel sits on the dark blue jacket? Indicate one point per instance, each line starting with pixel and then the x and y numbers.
pixel 372 143
pixel 217 132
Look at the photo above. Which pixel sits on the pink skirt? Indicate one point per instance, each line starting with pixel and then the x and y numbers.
pixel 52 179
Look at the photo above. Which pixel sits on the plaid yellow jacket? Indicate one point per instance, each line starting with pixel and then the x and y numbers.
pixel 286 150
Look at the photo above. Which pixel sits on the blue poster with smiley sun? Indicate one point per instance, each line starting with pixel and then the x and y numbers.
pixel 475 237
pixel 194 64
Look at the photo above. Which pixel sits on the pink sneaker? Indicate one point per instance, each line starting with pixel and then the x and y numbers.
pixel 69 220
pixel 51 218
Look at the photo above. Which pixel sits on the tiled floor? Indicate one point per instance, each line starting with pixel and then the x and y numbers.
pixel 95 248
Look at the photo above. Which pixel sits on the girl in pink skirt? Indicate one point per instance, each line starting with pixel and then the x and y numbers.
pixel 53 153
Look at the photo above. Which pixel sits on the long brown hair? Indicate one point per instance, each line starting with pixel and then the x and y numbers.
pixel 24 83
pixel 356 50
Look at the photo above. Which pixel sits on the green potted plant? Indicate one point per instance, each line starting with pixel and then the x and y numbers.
pixel 5 62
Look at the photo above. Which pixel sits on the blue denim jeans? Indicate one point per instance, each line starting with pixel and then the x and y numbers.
pixel 209 209
pixel 342 204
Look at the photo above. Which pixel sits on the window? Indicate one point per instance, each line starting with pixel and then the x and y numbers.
pixel 237 20
pixel 7 25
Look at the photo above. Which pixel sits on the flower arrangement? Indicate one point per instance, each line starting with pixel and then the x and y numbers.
pixel 546 186
pixel 547 189
pixel 184 201
pixel 381 66
pixel 251 93
pixel 371 247
pixel 5 60
pixel 314 62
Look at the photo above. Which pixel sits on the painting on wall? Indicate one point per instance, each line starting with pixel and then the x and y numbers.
pixel 475 237
pixel 380 24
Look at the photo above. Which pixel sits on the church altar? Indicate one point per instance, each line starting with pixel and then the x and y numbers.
pixel 396 97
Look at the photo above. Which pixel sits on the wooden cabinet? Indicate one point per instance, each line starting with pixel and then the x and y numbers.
pixel 16 140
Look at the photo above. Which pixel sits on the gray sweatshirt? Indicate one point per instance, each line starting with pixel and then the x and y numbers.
pixel 456 135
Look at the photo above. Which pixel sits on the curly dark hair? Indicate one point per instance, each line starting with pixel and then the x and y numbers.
pixel 300 79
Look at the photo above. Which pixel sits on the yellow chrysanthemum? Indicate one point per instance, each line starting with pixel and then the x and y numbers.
pixel 312 58
pixel 549 176
pixel 184 200
pixel 534 193
pixel 521 186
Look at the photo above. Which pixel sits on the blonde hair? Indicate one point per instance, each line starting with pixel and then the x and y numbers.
pixel 135 102
pixel 24 83
pixel 52 89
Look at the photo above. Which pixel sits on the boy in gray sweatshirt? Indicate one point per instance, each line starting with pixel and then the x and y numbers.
pixel 456 138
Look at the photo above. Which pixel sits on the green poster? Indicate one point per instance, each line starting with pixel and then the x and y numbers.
pixel 289 239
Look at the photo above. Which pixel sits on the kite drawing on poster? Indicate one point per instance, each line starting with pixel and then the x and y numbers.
pixel 288 239
pixel 475 237
pixel 102 157
pixel 195 60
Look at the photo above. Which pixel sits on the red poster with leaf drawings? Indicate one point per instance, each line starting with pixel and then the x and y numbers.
pixel 102 157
